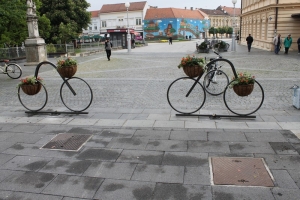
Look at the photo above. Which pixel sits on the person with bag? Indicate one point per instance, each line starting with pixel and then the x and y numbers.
pixel 277 41
pixel 108 46
pixel 287 43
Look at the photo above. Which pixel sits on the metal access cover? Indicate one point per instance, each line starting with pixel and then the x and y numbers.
pixel 67 142
pixel 240 171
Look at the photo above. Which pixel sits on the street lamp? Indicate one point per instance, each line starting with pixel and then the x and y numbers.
pixel 233 27
pixel 127 4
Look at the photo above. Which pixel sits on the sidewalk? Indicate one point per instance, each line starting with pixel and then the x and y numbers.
pixel 133 145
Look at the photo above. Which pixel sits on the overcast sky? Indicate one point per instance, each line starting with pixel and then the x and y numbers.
pixel 207 4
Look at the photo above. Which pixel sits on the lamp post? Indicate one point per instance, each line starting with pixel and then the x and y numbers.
pixel 127 4
pixel 233 27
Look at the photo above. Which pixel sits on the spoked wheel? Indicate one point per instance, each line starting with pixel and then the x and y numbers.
pixel 215 82
pixel 33 102
pixel 82 97
pixel 178 99
pixel 13 70
pixel 244 105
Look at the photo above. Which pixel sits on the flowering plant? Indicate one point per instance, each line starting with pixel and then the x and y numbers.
pixel 68 62
pixel 30 80
pixel 243 79
pixel 191 61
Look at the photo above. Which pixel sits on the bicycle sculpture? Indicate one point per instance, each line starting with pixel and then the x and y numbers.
pixel 75 93
pixel 187 95
pixel 12 70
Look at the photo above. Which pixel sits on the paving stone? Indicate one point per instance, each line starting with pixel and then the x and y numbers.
pixel 287 118
pixel 283 179
pixel 208 147
pixel 49 120
pixel 253 193
pixel 152 134
pixel 200 124
pixel 181 191
pixel 158 173
pixel 167 145
pixel 5 157
pixel 296 147
pixel 110 170
pixel 118 133
pixel 97 142
pixel 33 182
pixel 66 166
pixel 263 125
pixel 173 124
pixel 129 110
pixel 283 194
pixel 295 174
pixel 134 116
pixel 157 111
pixel 227 136
pixel 265 137
pixel 289 125
pixel 290 136
pixel 26 128
pixel 5 145
pixel 230 125
pixel 282 162
pixel 83 122
pixel 139 123
pixel 143 157
pixel 125 190
pixel 110 122
pixel 26 163
pixel 185 159
pixel 73 186
pixel 23 195
pixel 188 135
pixel 250 147
pixel 158 116
pixel 107 116
pixel 54 129
pixel 128 143
pixel 99 154
pixel 4 174
pixel 197 176
pixel 283 148
pixel 25 138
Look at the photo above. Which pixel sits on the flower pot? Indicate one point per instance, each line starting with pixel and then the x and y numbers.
pixel 31 89
pixel 67 72
pixel 193 71
pixel 243 90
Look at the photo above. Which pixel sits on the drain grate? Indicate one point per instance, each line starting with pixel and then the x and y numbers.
pixel 240 171
pixel 67 142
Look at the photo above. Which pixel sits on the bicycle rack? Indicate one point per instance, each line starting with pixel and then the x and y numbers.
pixel 215 116
pixel 67 84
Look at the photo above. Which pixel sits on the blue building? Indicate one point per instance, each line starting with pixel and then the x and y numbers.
pixel 162 23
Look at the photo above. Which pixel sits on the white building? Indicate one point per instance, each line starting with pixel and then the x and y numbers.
pixel 94 26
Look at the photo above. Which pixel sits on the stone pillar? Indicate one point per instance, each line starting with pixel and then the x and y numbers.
pixel 35 45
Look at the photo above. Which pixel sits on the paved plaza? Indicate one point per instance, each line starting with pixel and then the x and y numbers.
pixel 138 148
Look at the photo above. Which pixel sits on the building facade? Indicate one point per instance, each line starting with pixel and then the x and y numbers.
pixel 162 23
pixel 266 18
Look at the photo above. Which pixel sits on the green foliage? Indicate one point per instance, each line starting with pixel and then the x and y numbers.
pixel 203 45
pixel 66 62
pixel 44 26
pixel 229 30
pixel 212 30
pixel 67 32
pixel 244 78
pixel 220 45
pixel 51 48
pixel 66 12
pixel 191 61
pixel 29 80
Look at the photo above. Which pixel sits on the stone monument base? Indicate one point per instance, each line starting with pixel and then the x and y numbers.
pixel 35 51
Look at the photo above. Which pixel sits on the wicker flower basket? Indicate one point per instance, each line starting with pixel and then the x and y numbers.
pixel 31 89
pixel 67 72
pixel 193 71
pixel 243 90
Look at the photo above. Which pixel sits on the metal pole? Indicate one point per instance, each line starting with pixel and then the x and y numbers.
pixel 128 36
pixel 233 31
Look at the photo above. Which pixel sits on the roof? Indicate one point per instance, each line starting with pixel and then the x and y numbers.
pixel 94 13
pixel 213 12
pixel 120 7
pixel 230 10
pixel 161 13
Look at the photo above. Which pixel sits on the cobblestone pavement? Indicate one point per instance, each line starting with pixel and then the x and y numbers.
pixel 138 148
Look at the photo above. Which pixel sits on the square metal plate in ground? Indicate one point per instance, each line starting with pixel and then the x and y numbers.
pixel 67 142
pixel 240 171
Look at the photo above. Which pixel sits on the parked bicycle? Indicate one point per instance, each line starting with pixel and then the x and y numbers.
pixel 12 70
pixel 75 93
pixel 216 80
pixel 187 95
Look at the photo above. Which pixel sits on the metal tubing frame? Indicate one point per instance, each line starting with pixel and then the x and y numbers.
pixel 215 116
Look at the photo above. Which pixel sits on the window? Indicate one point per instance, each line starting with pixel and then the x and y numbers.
pixel 103 23
pixel 95 27
pixel 138 21
pixel 120 20
pixel 90 28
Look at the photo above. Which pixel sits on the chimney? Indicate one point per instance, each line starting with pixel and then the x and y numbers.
pixel 191 8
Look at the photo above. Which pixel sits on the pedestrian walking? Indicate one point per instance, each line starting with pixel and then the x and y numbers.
pixel 298 42
pixel 287 43
pixel 277 41
pixel 133 43
pixel 108 46
pixel 170 40
pixel 249 40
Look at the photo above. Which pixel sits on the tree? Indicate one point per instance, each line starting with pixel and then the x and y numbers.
pixel 213 31
pixel 67 12
pixel 229 30
pixel 67 32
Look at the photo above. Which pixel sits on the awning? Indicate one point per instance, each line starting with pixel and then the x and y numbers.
pixel 296 15
pixel 136 33
pixel 97 37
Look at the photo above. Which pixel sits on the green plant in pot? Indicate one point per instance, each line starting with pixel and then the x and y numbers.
pixel 192 66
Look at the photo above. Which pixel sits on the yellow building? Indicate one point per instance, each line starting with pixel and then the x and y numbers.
pixel 263 19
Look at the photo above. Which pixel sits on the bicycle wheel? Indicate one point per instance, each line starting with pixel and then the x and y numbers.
pixel 33 102
pixel 13 70
pixel 215 82
pixel 246 105
pixel 82 97
pixel 178 99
